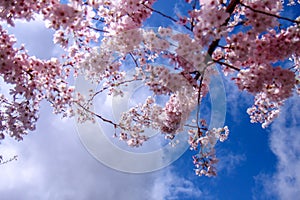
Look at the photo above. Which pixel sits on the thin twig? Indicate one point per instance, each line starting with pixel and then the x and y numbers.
pixel 134 59
pixel 199 102
pixel 166 16
pixel 117 84
pixel 228 65
pixel 100 117
pixel 98 19
pixel 270 14
pixel 193 21
pixel 96 29
pixel 191 126
pixel 7 161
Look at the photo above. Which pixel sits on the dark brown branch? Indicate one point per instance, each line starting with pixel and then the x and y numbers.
pixel 228 65
pixel 98 19
pixel 134 59
pixel 99 116
pixel 230 8
pixel 212 47
pixel 193 21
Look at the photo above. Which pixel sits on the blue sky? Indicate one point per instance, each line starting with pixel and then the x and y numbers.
pixel 255 163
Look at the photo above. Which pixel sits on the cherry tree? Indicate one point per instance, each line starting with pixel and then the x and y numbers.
pixel 248 40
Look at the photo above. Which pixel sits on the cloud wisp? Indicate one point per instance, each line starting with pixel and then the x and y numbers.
pixel 284 142
pixel 173 187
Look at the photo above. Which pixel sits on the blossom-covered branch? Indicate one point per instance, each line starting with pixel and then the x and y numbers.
pixel 105 42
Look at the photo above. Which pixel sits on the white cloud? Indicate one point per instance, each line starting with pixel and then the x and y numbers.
pixel 228 161
pixel 53 164
pixel 285 144
pixel 170 185
pixel 37 38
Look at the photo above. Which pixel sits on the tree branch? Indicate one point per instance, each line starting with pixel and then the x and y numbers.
pixel 117 84
pixel 166 16
pixel 228 65
pixel 96 29
pixel 230 8
pixel 7 161
pixel 98 19
pixel 100 117
pixel 193 21
pixel 134 59
pixel 199 103
pixel 270 14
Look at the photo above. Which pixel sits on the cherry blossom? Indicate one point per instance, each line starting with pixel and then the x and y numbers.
pixel 205 140
pixel 108 43
pixel 257 20
pixel 276 87
pixel 264 110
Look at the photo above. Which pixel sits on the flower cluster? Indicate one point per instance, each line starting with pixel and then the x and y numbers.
pixel 209 20
pixel 78 25
pixel 264 110
pixel 273 47
pixel 170 118
pixel 181 86
pixel 32 80
pixel 276 83
pixel 135 120
pixel 74 29
pixel 124 42
pixel 173 114
pixel 153 42
pixel 157 86
pixel 98 64
pixel 206 140
pixel 135 139
pixel 296 61
pixel 123 15
pixel 247 48
pixel 239 48
pixel 62 15
pixel 188 49
pixel 23 9
pixel 259 21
